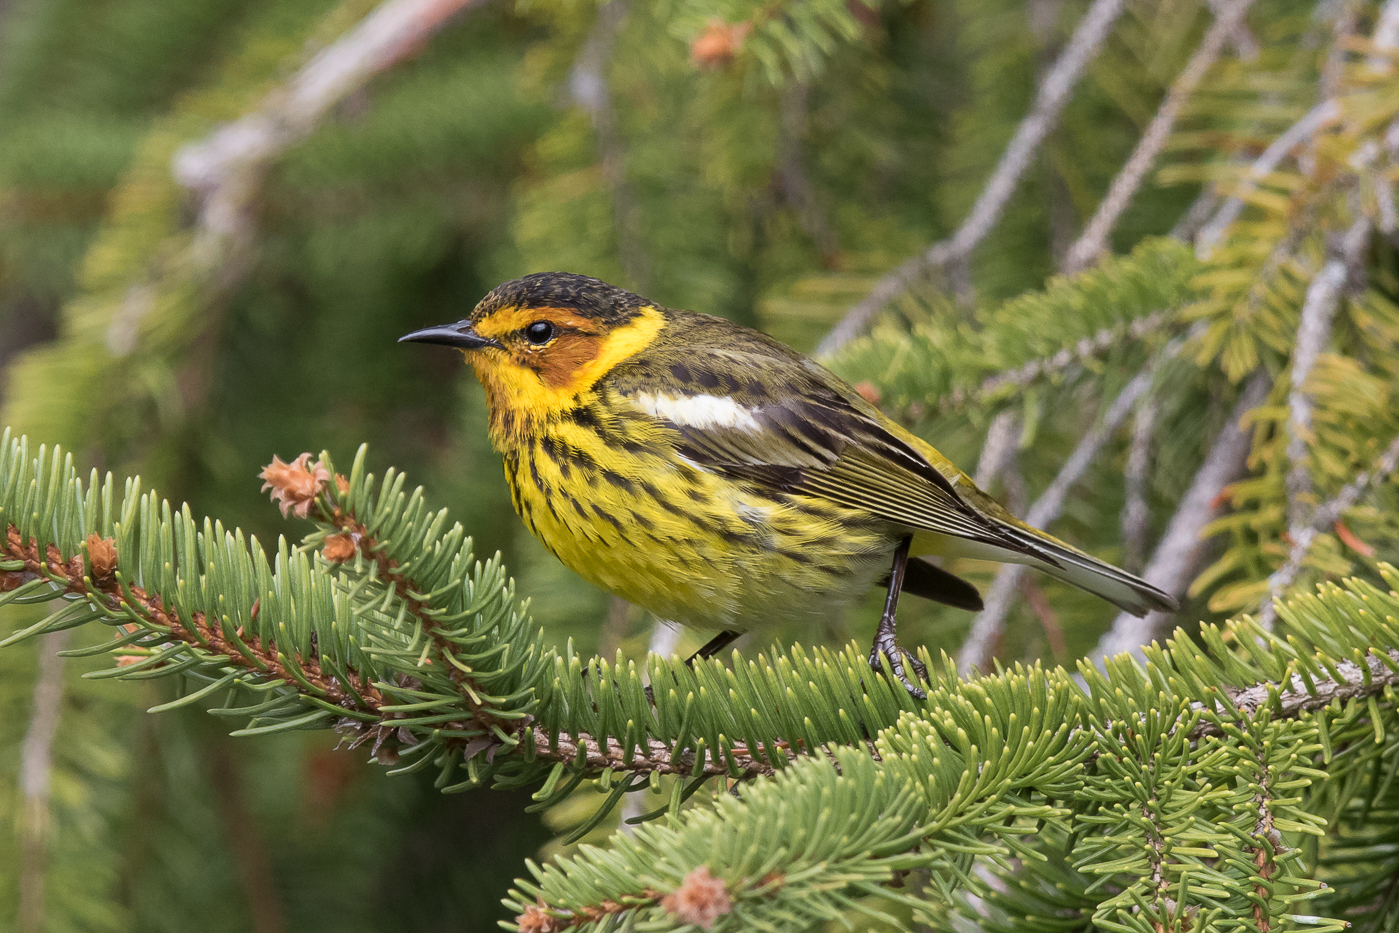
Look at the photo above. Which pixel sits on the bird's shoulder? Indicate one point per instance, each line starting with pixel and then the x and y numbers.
pixel 704 374
pixel 702 355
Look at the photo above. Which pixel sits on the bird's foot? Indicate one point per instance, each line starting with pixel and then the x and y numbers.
pixel 888 647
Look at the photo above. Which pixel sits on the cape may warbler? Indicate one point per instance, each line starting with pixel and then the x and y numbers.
pixel 712 475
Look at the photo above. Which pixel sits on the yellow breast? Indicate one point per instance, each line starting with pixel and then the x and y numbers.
pixel 608 494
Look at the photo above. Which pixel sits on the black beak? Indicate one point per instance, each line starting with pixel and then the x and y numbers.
pixel 459 335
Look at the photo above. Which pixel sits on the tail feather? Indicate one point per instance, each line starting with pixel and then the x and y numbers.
pixel 1127 591
pixel 1063 562
pixel 928 580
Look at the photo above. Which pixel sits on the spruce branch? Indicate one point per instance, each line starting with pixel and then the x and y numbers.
pixel 362 541
pixel 663 642
pixel 1051 98
pixel 119 599
pixel 1094 240
pixel 1117 766
pixel 903 783
pixel 1325 516
pixel 1173 564
pixel 1056 336
pixel 333 507
pixel 1136 510
pixel 1318 118
pixel 1082 352
pixel 784 40
pixel 363 628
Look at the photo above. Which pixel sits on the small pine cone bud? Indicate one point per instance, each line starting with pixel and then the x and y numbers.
pixel 535 920
pixel 102 558
pixel 700 900
pixel 718 44
pixel 338 549
pixel 294 485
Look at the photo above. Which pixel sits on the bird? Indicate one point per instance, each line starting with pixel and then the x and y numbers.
pixel 711 474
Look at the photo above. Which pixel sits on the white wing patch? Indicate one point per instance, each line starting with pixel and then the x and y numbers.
pixel 699 411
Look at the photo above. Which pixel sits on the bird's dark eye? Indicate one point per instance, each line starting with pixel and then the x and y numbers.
pixel 539 333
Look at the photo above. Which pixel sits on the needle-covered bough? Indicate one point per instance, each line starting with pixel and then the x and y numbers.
pixel 1215 787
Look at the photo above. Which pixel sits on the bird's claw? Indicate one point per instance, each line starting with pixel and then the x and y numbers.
pixel 889 648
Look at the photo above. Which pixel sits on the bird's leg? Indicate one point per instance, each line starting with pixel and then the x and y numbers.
pixel 712 647
pixel 885 642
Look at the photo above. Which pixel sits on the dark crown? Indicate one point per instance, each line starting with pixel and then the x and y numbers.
pixel 591 298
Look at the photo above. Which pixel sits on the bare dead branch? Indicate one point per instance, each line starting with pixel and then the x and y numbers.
pixel 1199 213
pixel 1343 27
pixel 1321 116
pixel 225 168
pixel 999 450
pixel 1313 331
pixel 1295 699
pixel 1093 242
pixel 1054 93
pixel 1038 602
pixel 1386 34
pixel 1172 567
pixel 1241 39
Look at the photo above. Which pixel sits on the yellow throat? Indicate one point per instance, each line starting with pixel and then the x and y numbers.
pixel 520 394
